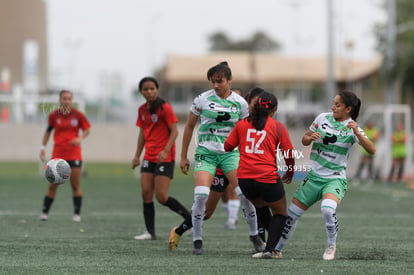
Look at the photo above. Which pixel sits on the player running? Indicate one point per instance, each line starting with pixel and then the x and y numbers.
pixel 332 135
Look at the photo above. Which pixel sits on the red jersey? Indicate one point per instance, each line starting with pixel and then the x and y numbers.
pixel 156 131
pixel 67 129
pixel 258 149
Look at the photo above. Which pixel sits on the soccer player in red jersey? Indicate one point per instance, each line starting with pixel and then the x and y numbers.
pixel 258 137
pixel 158 131
pixel 67 122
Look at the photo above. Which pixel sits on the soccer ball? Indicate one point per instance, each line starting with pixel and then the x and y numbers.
pixel 57 171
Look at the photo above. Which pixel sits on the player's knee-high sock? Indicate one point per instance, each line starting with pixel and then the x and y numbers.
pixel 77 204
pixel 276 225
pixel 294 213
pixel 263 220
pixel 233 210
pixel 186 225
pixel 198 209
pixel 177 207
pixel 249 212
pixel 149 217
pixel 328 209
pixel 47 203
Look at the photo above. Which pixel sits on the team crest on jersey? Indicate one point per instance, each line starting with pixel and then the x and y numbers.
pixel 74 122
pixel 154 118
pixel 343 132
pixel 234 108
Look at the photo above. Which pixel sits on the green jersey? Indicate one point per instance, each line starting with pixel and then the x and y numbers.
pixel 217 117
pixel 329 154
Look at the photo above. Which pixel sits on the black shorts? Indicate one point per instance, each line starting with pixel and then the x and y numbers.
pixel 219 184
pixel 74 163
pixel 158 169
pixel 269 192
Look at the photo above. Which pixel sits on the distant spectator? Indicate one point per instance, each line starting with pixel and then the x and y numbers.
pixel 399 153
pixel 367 159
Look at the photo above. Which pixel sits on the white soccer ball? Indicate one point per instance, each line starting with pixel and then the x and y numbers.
pixel 57 171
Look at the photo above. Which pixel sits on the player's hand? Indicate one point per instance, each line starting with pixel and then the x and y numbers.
pixel 184 165
pixel 354 126
pixel 287 178
pixel 162 156
pixel 76 141
pixel 315 136
pixel 135 162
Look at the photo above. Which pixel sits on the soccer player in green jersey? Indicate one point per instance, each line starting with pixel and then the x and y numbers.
pixel 217 110
pixel 331 135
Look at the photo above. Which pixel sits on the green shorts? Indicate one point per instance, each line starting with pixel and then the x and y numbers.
pixel 314 187
pixel 206 160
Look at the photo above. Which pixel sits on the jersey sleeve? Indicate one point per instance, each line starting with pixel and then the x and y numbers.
pixel 244 109
pixel 284 140
pixel 169 115
pixel 315 124
pixel 196 106
pixel 51 120
pixel 84 123
pixel 233 139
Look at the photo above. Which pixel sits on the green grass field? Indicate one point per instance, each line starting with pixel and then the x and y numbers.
pixel 376 231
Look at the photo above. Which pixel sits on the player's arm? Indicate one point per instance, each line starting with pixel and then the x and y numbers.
pixel 45 139
pixel 187 135
pixel 140 146
pixel 77 141
pixel 309 137
pixel 162 156
pixel 363 140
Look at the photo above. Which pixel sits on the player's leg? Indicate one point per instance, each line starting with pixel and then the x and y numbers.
pixel 203 181
pixel 147 193
pixel 328 209
pixel 178 231
pixel 401 163
pixel 233 206
pixel 75 177
pixel 162 179
pixel 332 194
pixel 48 201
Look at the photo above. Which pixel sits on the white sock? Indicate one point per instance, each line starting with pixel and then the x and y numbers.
pixel 233 211
pixel 198 210
pixel 294 213
pixel 249 212
pixel 328 209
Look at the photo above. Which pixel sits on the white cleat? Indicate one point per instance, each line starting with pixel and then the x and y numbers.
pixel 329 252
pixel 145 236
pixel 43 217
pixel 76 218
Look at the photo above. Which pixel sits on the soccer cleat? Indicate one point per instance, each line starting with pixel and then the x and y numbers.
pixel 267 255
pixel 76 218
pixel 329 252
pixel 174 240
pixel 198 247
pixel 145 236
pixel 43 217
pixel 258 244
pixel 230 225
